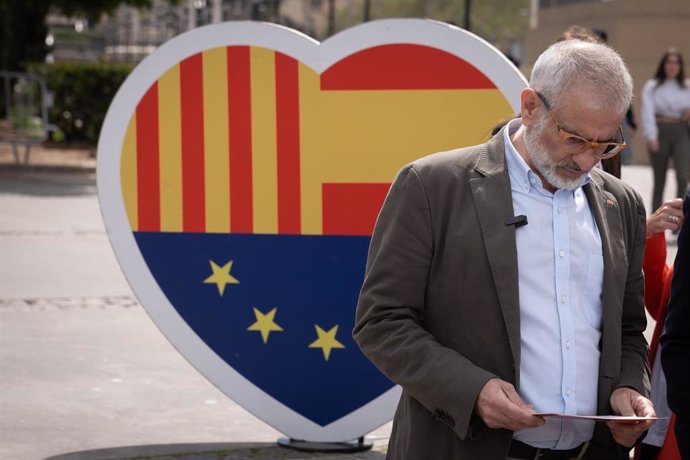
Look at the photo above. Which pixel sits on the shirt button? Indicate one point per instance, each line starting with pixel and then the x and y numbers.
pixel 562 254
pixel 567 344
pixel 558 210
pixel 562 299
pixel 567 391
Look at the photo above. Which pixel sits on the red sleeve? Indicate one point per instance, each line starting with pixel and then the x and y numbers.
pixel 655 271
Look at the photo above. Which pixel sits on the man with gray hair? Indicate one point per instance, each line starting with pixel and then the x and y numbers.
pixel 504 281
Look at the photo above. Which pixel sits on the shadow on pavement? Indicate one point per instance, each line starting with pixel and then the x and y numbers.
pixel 209 451
pixel 46 182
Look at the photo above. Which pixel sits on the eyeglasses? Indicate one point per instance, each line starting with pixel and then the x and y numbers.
pixel 575 144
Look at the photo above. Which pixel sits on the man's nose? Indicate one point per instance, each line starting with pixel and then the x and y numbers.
pixel 587 159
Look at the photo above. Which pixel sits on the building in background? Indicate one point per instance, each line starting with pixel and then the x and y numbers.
pixel 37 31
pixel 71 39
pixel 130 34
pixel 640 30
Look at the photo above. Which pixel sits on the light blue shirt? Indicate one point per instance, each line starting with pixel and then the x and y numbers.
pixel 560 265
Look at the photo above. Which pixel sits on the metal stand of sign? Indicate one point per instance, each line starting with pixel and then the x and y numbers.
pixel 360 445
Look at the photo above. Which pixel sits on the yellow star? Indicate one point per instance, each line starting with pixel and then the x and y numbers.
pixel 221 276
pixel 326 341
pixel 264 323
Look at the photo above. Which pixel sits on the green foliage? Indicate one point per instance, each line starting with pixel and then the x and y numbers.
pixel 22 33
pixel 83 93
pixel 498 21
pixel 93 9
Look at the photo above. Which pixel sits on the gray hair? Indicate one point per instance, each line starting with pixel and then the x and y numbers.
pixel 574 63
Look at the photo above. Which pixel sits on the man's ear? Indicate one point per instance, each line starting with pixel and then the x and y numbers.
pixel 529 106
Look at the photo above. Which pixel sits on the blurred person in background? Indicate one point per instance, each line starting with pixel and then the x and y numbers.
pixel 665 116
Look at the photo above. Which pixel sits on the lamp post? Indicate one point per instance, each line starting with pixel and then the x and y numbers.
pixel 468 13
pixel 331 17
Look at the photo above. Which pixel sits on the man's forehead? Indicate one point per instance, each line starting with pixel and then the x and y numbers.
pixel 592 126
pixel 586 98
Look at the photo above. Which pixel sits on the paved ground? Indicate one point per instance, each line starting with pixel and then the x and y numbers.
pixel 84 373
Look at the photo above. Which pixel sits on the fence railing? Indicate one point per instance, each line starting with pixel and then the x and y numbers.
pixel 25 103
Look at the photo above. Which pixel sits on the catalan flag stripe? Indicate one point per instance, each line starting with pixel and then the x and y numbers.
pixel 193 190
pixel 217 164
pixel 288 134
pixel 311 179
pixel 148 189
pixel 128 172
pixel 240 130
pixel 170 127
pixel 264 185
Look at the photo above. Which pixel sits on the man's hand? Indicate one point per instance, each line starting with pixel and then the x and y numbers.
pixel 500 406
pixel 626 401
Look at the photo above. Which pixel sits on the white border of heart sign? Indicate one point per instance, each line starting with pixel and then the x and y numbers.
pixel 318 56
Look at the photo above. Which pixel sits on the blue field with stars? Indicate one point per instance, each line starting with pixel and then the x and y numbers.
pixel 279 309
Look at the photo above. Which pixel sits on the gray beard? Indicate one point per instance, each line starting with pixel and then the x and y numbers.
pixel 543 163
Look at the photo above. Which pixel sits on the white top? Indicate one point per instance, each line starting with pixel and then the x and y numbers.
pixel 657 433
pixel 668 99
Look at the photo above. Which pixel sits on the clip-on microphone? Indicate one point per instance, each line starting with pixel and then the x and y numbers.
pixel 517 221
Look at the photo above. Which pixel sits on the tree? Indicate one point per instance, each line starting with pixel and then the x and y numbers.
pixel 22 33
pixel 497 21
pixel 23 30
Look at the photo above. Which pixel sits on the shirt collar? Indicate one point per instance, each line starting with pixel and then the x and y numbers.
pixel 521 174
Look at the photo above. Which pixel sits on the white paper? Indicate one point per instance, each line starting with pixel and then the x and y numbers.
pixel 600 418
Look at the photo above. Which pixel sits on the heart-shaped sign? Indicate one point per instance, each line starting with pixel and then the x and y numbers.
pixel 241 168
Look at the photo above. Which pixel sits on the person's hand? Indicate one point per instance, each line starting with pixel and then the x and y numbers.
pixel 500 406
pixel 669 216
pixel 626 401
pixel 653 145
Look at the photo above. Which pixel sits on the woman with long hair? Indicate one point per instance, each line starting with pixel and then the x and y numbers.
pixel 665 117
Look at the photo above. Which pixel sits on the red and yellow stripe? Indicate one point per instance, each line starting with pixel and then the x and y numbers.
pixel 248 140
pixel 170 160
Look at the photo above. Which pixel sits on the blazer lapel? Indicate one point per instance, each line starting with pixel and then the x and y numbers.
pixel 606 212
pixel 493 203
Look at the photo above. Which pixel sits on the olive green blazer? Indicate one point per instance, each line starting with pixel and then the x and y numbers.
pixel 438 312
